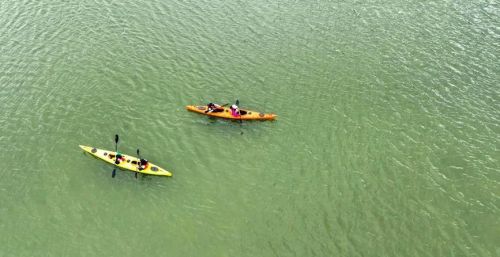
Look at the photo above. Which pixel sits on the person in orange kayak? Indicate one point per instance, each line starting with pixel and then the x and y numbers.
pixel 211 107
pixel 235 112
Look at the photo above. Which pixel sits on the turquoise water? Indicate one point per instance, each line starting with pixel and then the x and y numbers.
pixel 387 140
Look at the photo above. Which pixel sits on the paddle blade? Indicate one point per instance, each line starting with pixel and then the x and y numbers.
pixel 116 142
pixel 238 102
pixel 136 175
pixel 138 152
pixel 114 173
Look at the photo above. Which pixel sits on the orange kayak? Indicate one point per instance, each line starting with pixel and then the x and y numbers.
pixel 225 112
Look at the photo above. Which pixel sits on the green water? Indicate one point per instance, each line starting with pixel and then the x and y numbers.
pixel 387 141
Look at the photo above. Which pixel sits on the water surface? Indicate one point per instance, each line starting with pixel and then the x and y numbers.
pixel 386 143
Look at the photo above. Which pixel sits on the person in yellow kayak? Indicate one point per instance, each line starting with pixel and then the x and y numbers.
pixel 119 157
pixel 142 164
pixel 211 107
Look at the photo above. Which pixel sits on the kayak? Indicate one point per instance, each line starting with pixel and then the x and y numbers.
pixel 129 163
pixel 225 112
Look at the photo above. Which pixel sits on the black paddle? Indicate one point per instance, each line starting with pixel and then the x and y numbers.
pixel 238 104
pixel 239 113
pixel 139 163
pixel 116 150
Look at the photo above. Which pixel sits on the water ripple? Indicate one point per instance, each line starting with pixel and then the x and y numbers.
pixel 386 142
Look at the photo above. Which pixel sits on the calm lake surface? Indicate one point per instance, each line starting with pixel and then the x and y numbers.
pixel 387 141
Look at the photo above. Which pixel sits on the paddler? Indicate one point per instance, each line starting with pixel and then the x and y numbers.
pixel 143 164
pixel 211 107
pixel 235 112
pixel 119 157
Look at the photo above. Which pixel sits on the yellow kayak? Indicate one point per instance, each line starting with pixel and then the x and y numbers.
pixel 129 163
pixel 225 112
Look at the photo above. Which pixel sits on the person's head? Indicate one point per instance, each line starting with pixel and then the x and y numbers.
pixel 144 161
pixel 234 106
